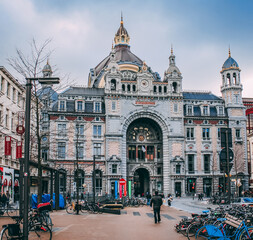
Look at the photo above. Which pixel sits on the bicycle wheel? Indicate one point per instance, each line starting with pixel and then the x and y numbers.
pixel 5 234
pixel 84 209
pixel 70 209
pixel 192 230
pixel 40 231
pixel 202 234
pixel 246 235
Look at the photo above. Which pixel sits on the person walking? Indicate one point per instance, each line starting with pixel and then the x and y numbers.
pixel 156 202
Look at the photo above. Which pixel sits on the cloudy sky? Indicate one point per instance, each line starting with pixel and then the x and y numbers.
pixel 82 32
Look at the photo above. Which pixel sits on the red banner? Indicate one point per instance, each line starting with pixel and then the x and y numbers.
pixel 19 150
pixel 7 146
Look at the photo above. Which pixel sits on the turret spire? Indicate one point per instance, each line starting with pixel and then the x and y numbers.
pixel 171 50
pixel 229 53
pixel 121 37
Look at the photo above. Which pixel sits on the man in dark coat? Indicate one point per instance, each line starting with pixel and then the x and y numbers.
pixel 156 201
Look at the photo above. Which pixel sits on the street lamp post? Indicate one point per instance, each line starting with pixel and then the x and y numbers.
pixel 48 80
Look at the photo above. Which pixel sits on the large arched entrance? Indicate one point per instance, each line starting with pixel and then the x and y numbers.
pixel 145 153
pixel 141 182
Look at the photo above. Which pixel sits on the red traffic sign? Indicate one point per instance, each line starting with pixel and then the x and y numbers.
pixel 122 181
pixel 20 129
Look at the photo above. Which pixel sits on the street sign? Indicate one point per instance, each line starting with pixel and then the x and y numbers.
pixel 223 155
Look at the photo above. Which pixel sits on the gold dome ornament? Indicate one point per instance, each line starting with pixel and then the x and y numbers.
pixel 121 37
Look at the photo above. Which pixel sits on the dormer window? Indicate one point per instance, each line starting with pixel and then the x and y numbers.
pixel 97 107
pixel 62 105
pixel 189 110
pixel 79 106
pixel 205 110
pixel 220 111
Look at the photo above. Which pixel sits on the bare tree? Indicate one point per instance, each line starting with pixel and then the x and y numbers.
pixel 30 66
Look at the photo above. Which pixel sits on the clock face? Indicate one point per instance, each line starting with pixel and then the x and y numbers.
pixel 144 83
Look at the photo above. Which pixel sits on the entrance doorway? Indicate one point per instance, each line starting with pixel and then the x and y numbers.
pixel 207 186
pixel 141 182
pixel 178 190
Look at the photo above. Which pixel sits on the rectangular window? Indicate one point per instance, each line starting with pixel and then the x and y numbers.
pixel 79 106
pixel 97 149
pixel 45 117
pixel 159 153
pixel 19 98
pixel 97 107
pixel 97 131
pixel 189 110
pixel 190 133
pixel 175 107
pixel 79 150
pixel 191 164
pixel 218 133
pixel 113 106
pixel 236 98
pixel 206 133
pixel 178 169
pixel 61 150
pixel 132 153
pixel 8 90
pixel 114 168
pixel 7 118
pixel 150 152
pixel 206 163
pixel 62 131
pixel 62 105
pixel 12 122
pixel 205 110
pixel 141 153
pixel 44 154
pixel 79 130
pixel 238 133
pixel 220 111
pixel 14 93
pixel 159 170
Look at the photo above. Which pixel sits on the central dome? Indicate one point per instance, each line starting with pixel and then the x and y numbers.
pixel 122 51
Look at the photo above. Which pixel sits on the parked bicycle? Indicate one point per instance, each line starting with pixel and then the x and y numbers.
pixel 35 231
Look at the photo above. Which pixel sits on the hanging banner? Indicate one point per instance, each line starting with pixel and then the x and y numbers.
pixel 120 191
pixel 19 150
pixel 7 146
pixel 129 189
pixel 116 189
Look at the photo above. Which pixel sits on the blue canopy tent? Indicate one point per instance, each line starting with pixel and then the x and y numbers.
pixel 45 199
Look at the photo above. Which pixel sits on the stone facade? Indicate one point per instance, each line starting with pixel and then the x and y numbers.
pixel 145 129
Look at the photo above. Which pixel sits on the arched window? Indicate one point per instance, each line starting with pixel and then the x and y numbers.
pixel 128 88
pixel 223 80
pixel 80 178
pixel 228 79
pixel 234 79
pixel 113 84
pixel 174 87
pixel 165 89
pixel 134 88
pixel 160 89
pixel 98 176
pixel 155 89
pixel 123 87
